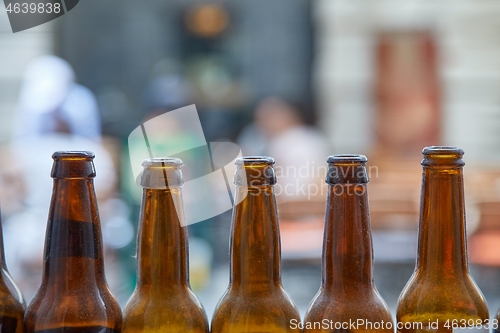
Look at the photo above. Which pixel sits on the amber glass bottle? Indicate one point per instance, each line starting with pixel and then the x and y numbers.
pixel 163 300
pixel 255 300
pixel 347 294
pixel 441 295
pixel 11 299
pixel 73 296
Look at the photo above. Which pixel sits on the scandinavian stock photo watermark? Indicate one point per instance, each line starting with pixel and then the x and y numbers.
pixel 208 167
pixel 308 180
pixel 466 325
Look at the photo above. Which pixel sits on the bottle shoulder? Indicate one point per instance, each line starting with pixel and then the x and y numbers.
pixel 244 310
pixel 367 305
pixel 274 292
pixel 173 310
pixel 441 298
pixel 150 302
pixel 50 308
pixel 236 315
pixel 176 314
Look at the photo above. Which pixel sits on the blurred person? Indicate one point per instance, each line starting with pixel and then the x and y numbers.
pixel 50 99
pixel 300 151
pixel 53 113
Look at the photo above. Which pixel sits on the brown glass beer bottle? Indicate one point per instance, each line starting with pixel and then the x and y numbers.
pixel 73 296
pixel 441 295
pixel 255 300
pixel 163 300
pixel 347 299
pixel 11 299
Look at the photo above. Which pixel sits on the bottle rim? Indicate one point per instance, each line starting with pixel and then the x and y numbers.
pixel 347 158
pixel 347 169
pixel 172 162
pixel 442 151
pixel 73 154
pixel 254 160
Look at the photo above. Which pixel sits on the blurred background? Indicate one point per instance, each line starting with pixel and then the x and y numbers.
pixel 294 79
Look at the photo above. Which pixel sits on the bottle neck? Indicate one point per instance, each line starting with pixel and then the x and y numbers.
pixel 255 248
pixel 347 248
pixel 162 242
pixel 73 245
pixel 442 245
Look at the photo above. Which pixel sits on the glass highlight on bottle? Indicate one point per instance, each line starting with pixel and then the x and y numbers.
pixel 255 300
pixel 73 296
pixel 441 295
pixel 163 300
pixel 347 293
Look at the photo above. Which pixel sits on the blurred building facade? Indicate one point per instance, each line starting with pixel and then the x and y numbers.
pixel 468 68
pixel 233 52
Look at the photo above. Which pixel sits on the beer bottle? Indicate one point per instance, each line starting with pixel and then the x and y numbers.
pixel 441 295
pixel 255 300
pixel 163 300
pixel 11 299
pixel 73 296
pixel 347 294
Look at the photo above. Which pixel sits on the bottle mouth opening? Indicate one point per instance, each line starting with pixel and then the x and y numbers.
pixel 73 155
pixel 347 159
pixel 443 151
pixel 162 162
pixel 442 156
pixel 254 161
